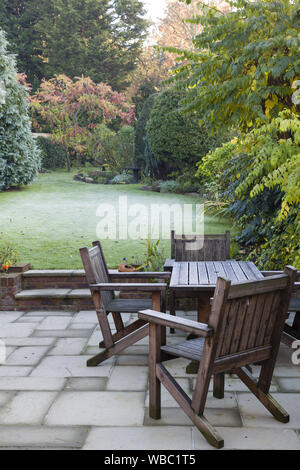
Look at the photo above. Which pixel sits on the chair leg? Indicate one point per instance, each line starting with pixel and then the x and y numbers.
pixel 185 403
pixel 125 332
pixel 266 399
pixel 101 357
pixel 118 321
pixel 119 346
pixel 219 386
pixel 172 307
pixel 155 332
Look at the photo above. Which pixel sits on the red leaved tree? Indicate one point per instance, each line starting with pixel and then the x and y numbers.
pixel 73 108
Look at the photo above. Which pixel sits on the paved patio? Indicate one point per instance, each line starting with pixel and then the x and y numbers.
pixel 49 399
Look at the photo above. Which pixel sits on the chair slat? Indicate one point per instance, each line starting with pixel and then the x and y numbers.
pixel 265 317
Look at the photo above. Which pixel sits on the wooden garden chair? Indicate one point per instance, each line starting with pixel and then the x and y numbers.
pixel 200 248
pixel 102 285
pixel 245 327
pixel 196 248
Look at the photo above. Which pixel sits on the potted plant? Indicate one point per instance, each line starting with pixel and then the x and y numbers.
pixel 8 257
pixel 154 259
pixel 9 260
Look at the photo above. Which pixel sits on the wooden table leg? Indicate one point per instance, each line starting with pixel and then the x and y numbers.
pixel 204 307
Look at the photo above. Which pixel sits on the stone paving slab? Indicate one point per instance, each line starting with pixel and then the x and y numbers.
pixel 7 317
pixel 86 384
pixel 82 326
pixel 27 355
pixel 33 319
pixel 27 407
pixel 252 439
pixel 14 371
pixel 287 371
pixel 97 409
pixel 54 323
pixel 42 437
pixel 140 438
pixel 255 415
pixel 85 316
pixel 31 341
pixel 70 366
pixel 16 330
pixel 128 378
pixel 290 385
pixel 68 346
pixel 32 383
pixel 130 360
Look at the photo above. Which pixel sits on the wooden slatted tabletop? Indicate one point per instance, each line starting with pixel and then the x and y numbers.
pixel 203 275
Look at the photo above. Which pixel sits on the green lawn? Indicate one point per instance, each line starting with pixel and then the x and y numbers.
pixel 48 221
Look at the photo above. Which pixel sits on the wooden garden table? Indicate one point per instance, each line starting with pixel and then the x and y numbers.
pixel 198 279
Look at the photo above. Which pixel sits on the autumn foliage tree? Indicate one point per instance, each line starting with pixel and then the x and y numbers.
pixel 155 64
pixel 73 108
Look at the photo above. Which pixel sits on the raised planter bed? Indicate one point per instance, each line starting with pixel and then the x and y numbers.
pixel 19 268
pixel 51 290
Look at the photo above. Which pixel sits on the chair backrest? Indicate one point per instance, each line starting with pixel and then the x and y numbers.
pixel 248 318
pixel 200 248
pixel 96 269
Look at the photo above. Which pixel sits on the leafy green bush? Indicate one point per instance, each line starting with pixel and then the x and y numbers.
pixel 258 175
pixel 170 186
pixel 122 178
pixel 53 154
pixel 177 141
pixel 110 148
pixel 19 154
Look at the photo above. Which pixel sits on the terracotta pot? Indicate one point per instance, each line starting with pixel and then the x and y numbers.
pixel 126 268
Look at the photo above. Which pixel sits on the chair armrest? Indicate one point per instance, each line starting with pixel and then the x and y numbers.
pixel 163 319
pixel 275 273
pixel 129 287
pixel 142 275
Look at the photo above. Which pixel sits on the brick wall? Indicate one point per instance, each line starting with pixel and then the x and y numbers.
pixel 10 284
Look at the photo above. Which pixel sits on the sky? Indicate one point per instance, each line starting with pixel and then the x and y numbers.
pixel 155 8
